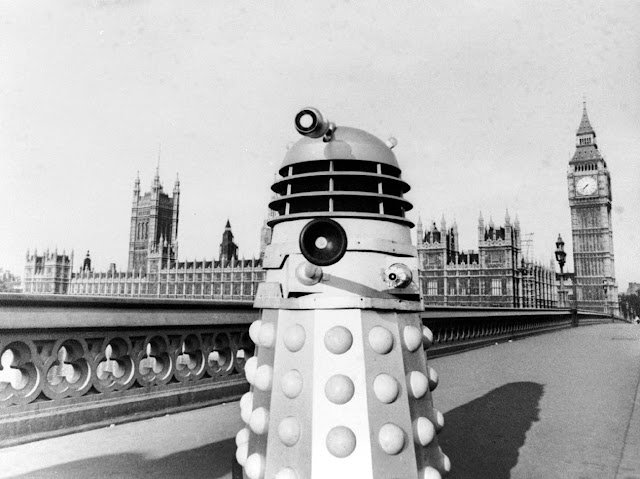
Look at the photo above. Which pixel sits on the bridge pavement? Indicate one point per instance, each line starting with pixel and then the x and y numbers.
pixel 560 405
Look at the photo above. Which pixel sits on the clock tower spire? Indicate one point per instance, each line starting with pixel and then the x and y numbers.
pixel 589 188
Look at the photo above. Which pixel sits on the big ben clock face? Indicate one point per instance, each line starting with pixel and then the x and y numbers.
pixel 586 185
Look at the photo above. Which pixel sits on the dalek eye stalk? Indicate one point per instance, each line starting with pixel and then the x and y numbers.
pixel 340 386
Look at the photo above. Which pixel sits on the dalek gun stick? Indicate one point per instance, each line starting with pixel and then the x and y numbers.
pixel 340 385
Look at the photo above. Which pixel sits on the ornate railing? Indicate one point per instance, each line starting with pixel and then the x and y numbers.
pixel 73 363
pixel 54 365
pixel 455 328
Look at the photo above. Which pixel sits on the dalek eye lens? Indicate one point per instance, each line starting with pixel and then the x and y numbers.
pixel 323 242
pixel 306 121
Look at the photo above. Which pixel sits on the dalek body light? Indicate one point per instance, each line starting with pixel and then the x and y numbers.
pixel 340 387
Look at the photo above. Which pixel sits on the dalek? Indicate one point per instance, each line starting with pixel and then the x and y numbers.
pixel 340 386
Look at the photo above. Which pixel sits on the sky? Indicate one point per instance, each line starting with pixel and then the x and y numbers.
pixel 484 97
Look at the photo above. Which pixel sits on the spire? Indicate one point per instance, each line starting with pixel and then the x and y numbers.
pixel 585 125
pixel 586 147
pixel 480 220
pixel 228 249
pixel 419 232
pixel 507 218
pixel 156 178
pixel 86 265
pixel 176 187
pixel 136 188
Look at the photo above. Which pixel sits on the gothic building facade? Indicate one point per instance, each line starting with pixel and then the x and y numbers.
pixel 49 273
pixel 589 189
pixel 496 275
pixel 153 269
pixel 153 238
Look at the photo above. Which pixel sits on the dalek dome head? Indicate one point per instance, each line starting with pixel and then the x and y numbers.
pixel 339 172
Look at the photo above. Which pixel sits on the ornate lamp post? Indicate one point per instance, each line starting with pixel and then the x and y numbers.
pixel 561 257
pixel 605 288
pixel 523 283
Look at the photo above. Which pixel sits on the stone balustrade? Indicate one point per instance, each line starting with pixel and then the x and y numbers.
pixel 55 365
pixel 73 363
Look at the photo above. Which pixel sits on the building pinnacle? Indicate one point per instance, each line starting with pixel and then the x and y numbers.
pixel 585 125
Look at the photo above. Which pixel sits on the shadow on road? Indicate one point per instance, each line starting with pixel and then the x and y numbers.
pixel 482 437
pixel 212 461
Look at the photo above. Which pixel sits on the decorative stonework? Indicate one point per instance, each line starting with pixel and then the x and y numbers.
pixel 494 275
pixel 52 365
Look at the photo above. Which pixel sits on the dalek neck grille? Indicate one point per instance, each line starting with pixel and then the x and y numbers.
pixel 343 172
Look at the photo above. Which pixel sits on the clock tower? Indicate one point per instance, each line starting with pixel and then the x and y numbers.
pixel 589 185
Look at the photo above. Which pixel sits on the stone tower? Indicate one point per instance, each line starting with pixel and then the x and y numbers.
pixel 589 187
pixel 48 273
pixel 499 246
pixel 499 250
pixel 153 239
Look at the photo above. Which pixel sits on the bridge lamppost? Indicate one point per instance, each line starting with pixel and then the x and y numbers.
pixel 561 257
pixel 605 288
pixel 523 283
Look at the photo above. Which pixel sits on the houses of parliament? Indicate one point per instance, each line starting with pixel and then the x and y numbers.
pixel 153 269
pixel 496 275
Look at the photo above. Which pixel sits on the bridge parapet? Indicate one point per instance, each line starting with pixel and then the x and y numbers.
pixel 74 363
pixel 457 328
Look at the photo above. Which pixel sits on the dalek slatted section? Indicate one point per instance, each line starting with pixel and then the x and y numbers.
pixel 340 385
pixel 320 178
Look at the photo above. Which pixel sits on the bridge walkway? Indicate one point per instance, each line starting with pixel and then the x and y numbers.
pixel 559 405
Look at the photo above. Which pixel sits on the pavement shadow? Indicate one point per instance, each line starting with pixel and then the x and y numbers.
pixel 482 437
pixel 212 461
